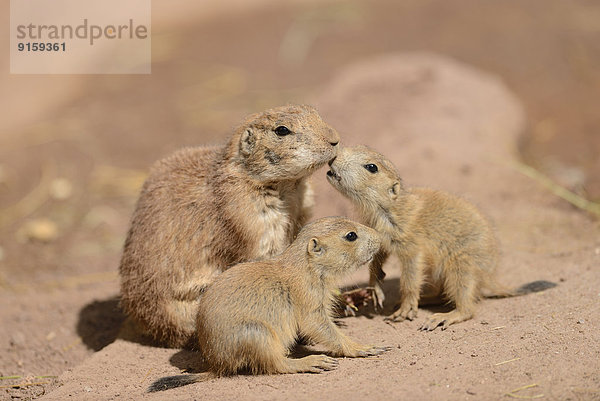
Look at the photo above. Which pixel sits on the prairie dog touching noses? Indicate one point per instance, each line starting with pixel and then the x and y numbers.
pixel 253 313
pixel 204 209
pixel 440 240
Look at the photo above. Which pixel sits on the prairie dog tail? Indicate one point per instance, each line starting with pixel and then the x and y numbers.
pixel 169 382
pixel 499 291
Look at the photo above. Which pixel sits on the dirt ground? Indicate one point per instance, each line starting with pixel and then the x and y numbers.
pixel 71 167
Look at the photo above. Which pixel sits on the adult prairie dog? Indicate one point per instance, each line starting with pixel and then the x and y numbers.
pixel 440 240
pixel 204 209
pixel 252 314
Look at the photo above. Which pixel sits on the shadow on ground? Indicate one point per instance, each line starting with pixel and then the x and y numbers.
pixel 188 361
pixel 100 322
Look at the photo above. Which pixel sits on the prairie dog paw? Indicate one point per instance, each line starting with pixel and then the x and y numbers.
pixel 407 311
pixel 323 362
pixel 378 297
pixel 377 350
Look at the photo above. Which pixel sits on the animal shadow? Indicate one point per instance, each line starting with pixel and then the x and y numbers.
pixel 101 322
pixel 188 361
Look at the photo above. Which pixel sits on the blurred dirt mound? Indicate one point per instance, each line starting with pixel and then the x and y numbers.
pixel 442 123
pixel 451 127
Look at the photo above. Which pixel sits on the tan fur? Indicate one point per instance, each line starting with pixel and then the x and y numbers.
pixel 442 242
pixel 204 209
pixel 252 314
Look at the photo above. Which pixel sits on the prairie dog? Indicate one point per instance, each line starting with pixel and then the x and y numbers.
pixel 440 240
pixel 253 313
pixel 204 209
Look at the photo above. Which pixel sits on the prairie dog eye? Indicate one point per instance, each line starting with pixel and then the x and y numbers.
pixel 282 130
pixel 372 168
pixel 351 236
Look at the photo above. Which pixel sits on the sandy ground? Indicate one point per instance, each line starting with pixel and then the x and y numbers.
pixel 445 125
pixel 453 128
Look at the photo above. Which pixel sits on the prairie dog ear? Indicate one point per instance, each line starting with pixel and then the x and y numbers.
pixel 247 142
pixel 395 190
pixel 314 247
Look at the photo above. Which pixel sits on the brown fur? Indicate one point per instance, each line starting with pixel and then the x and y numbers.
pixel 252 314
pixel 204 209
pixel 443 243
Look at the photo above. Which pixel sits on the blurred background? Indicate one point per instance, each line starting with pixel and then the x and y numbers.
pixel 74 150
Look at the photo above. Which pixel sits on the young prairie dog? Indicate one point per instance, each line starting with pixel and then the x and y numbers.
pixel 204 209
pixel 440 240
pixel 253 313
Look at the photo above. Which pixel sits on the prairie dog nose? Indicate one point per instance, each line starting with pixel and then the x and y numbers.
pixel 332 136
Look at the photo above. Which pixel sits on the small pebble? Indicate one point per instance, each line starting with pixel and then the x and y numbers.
pixel 580 321
pixel 43 230
pixel 17 339
pixel 61 189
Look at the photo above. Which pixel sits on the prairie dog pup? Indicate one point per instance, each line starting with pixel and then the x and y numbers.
pixel 251 315
pixel 440 240
pixel 205 209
